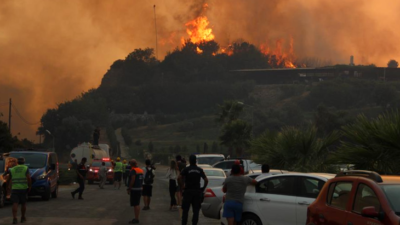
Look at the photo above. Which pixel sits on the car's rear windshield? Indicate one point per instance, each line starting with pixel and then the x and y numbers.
pixel 32 160
pixel 98 164
pixel 210 160
pixel 392 192
pixel 214 173
pixel 1 166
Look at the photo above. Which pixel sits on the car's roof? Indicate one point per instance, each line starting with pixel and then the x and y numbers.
pixel 215 169
pixel 209 155
pixel 34 152
pixel 387 179
pixel 324 176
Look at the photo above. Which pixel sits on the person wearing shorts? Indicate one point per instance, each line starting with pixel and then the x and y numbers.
pixel 235 188
pixel 21 185
pixel 135 180
pixel 147 187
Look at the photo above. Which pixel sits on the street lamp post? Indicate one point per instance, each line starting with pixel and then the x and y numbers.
pixel 53 139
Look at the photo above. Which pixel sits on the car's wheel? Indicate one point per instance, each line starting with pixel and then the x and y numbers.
pixel 250 219
pixel 90 181
pixel 54 194
pixel 47 194
pixel 2 197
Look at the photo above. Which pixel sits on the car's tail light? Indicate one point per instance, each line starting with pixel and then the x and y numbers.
pixel 209 193
pixel 96 171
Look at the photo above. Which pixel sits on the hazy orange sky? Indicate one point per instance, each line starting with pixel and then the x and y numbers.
pixel 52 50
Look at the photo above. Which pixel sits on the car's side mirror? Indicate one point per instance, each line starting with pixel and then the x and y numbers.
pixel 371 212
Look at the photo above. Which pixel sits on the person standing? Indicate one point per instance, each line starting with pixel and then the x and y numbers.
pixel 126 172
pixel 148 181
pixel 81 172
pixel 264 171
pixel 21 185
pixel 235 188
pixel 124 175
pixel 189 181
pixel 118 173
pixel 135 189
pixel 172 175
pixel 103 175
pixel 181 165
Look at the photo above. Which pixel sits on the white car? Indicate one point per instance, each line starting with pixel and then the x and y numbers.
pixel 281 199
pixel 213 196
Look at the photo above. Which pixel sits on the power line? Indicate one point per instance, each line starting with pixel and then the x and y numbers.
pixel 22 118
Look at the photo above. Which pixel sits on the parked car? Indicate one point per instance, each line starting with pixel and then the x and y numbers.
pixel 213 197
pixel 6 163
pixel 216 177
pixel 43 168
pixel 281 199
pixel 93 172
pixel 248 165
pixel 209 159
pixel 357 197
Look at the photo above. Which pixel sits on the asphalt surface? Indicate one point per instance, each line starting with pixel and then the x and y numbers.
pixel 101 206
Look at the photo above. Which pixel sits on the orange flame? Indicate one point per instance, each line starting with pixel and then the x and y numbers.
pixel 277 56
pixel 198 50
pixel 198 30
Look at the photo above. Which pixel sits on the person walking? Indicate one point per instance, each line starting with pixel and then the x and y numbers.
pixel 21 185
pixel 135 180
pixel 235 188
pixel 102 175
pixel 81 172
pixel 148 174
pixel 118 173
pixel 189 181
pixel 124 175
pixel 172 175
pixel 181 165
pixel 264 171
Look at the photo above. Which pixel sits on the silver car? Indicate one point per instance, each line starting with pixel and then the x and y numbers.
pixel 216 177
pixel 213 196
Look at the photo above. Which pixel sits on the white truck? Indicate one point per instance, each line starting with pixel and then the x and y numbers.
pixel 91 152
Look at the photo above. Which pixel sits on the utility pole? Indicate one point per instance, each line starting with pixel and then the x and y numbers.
pixel 155 25
pixel 9 116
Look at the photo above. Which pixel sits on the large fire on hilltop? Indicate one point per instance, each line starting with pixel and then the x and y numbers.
pixel 198 32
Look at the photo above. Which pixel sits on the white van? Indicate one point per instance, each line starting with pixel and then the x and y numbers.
pixel 89 151
pixel 209 159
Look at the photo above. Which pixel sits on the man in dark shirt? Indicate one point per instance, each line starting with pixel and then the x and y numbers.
pixel 180 163
pixel 189 181
pixel 81 171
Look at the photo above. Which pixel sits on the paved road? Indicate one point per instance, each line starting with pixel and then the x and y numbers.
pixel 100 207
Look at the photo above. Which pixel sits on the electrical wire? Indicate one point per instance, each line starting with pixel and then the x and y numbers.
pixel 22 118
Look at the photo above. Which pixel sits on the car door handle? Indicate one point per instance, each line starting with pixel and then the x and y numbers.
pixel 303 203
pixel 265 199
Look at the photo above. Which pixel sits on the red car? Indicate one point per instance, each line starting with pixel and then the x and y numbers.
pixel 355 198
pixel 93 172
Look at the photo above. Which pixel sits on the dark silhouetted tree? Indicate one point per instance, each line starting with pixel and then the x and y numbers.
pixel 393 64
pixel 205 147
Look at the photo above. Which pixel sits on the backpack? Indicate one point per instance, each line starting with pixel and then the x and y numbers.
pixel 149 178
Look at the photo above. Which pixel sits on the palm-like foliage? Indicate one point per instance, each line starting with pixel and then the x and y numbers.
pixel 236 134
pixel 229 111
pixel 373 144
pixel 294 149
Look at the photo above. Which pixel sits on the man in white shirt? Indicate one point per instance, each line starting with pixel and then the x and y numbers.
pixel 102 175
pixel 265 171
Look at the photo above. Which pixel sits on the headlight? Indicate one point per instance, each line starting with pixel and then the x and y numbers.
pixel 90 170
pixel 110 170
pixel 42 176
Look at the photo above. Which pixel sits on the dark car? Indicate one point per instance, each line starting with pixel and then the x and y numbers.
pixel 43 168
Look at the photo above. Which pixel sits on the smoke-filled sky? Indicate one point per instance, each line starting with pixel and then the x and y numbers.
pixel 52 50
